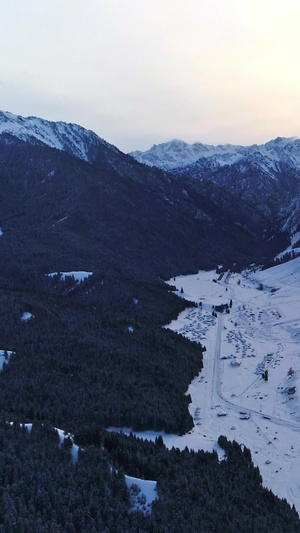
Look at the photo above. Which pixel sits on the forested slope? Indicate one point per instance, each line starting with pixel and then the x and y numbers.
pixel 94 354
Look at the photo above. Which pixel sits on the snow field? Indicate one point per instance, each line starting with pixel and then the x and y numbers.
pixel 261 332
pixel 142 493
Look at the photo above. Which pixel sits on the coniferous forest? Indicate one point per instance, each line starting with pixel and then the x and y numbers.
pixel 43 489
pixel 95 354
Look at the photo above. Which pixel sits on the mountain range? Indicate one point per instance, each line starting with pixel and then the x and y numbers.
pixel 153 217
pixel 265 179
pixel 90 354
pixel 178 154
pixel 128 223
pixel 266 175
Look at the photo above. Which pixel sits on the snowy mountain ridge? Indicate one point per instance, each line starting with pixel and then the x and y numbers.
pixel 71 138
pixel 266 175
pixel 179 154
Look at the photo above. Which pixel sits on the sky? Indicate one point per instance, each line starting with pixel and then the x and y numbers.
pixel 139 72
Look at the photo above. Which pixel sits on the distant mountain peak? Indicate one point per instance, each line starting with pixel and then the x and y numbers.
pixel 177 154
pixel 265 175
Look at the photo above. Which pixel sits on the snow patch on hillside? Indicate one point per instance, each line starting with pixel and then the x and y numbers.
pixel 292 248
pixel 74 448
pixel 142 493
pixel 26 316
pixel 4 358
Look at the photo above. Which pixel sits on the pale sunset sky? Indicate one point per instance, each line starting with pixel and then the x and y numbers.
pixel 139 72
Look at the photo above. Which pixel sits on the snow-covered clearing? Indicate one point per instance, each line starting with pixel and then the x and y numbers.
pixel 79 275
pixel 142 493
pixel 4 357
pixel 202 442
pixel 74 447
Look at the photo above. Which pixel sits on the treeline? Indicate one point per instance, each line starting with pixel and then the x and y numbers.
pixel 200 493
pixel 285 258
pixel 42 489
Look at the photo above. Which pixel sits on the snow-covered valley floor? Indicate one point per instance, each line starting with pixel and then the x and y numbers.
pixel 261 332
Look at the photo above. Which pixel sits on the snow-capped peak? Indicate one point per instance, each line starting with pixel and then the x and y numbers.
pixel 70 138
pixel 177 154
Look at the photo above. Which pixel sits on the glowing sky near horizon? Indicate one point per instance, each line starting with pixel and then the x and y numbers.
pixel 139 72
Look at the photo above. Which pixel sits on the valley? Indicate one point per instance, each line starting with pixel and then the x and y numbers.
pixel 88 236
pixel 229 396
